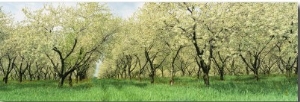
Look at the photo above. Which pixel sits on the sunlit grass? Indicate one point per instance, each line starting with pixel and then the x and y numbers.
pixel 241 88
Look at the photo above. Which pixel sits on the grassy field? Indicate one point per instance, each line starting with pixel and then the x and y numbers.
pixel 243 88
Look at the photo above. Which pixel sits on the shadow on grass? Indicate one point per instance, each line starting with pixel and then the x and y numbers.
pixel 13 85
pixel 5 87
pixel 119 84
pixel 231 83
pixel 249 84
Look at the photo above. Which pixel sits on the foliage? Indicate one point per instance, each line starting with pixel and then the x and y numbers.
pixel 159 39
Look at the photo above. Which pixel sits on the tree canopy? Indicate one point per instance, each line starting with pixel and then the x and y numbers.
pixel 188 37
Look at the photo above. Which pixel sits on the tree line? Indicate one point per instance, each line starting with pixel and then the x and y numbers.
pixel 158 40
pixel 172 39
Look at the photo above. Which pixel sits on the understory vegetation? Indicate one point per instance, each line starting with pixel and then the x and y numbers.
pixel 234 88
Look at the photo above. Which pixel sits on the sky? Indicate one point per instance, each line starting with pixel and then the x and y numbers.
pixel 122 9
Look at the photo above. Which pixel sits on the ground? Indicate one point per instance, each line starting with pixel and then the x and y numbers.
pixel 241 88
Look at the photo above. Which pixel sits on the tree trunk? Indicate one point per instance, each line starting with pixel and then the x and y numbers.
pixel 30 77
pixel 206 79
pixel 11 63
pixel 173 63
pixel 280 68
pixel 205 68
pixel 152 77
pixel 232 66
pixel 140 79
pixel 199 72
pixel 222 73
pixel 129 72
pixel 45 76
pixel 162 71
pixel 171 81
pixel 201 64
pixel 141 68
pixel 38 77
pixel 20 77
pixel 256 74
pixel 255 65
pixel 70 80
pixel 152 70
pixel 82 75
pixel 124 73
pixel 49 76
pixel 54 76
pixel 289 71
pixel 247 70
pixel 5 79
pixel 129 65
pixel 61 81
pixel 77 77
pixel 183 68
pixel 172 77
pixel 152 74
pixel 30 74
pixel 20 70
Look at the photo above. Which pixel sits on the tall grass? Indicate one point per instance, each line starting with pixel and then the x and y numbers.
pixel 242 88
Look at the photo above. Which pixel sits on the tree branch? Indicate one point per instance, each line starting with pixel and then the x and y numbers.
pixel 72 50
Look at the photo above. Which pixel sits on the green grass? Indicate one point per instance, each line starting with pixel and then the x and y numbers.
pixel 242 88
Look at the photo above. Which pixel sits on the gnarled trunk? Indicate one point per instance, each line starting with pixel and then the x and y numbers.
pixel 70 80
pixel 5 79
pixel 61 81
pixel 206 79
pixel 221 72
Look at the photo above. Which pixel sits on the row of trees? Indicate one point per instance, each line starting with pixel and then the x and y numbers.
pixel 160 39
pixel 196 38
pixel 58 40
